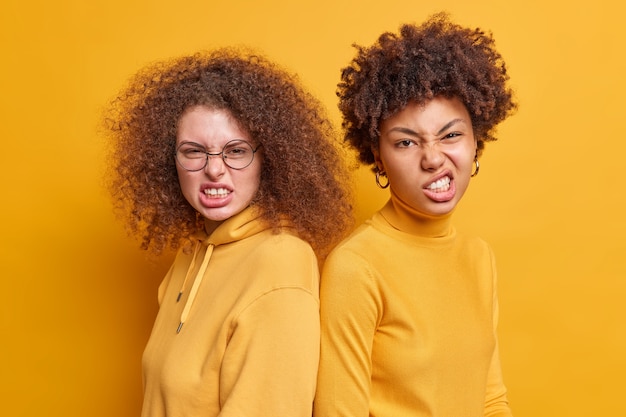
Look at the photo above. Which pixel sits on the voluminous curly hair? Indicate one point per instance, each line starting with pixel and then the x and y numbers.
pixel 302 176
pixel 437 58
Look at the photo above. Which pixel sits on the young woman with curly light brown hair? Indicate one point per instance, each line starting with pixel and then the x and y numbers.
pixel 408 305
pixel 225 157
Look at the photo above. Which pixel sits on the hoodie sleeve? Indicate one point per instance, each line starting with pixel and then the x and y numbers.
pixel 270 365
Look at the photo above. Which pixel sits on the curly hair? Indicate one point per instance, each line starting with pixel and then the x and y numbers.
pixel 302 175
pixel 437 58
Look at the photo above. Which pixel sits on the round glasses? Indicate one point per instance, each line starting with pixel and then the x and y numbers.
pixel 236 154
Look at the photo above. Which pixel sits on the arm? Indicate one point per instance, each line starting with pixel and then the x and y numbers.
pixel 270 365
pixel 350 308
pixel 496 402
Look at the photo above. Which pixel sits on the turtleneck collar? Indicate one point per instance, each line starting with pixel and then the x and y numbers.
pixel 403 217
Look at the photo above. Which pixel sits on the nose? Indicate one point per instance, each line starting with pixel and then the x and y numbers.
pixel 432 157
pixel 215 166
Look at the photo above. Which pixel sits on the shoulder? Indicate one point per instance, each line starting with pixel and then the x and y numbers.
pixel 355 260
pixel 477 256
pixel 282 248
pixel 282 259
pixel 353 250
pixel 473 245
pixel 362 240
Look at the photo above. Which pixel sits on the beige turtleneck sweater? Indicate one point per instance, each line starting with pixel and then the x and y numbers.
pixel 409 314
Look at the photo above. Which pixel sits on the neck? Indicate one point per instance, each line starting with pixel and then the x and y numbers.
pixel 211 225
pixel 405 218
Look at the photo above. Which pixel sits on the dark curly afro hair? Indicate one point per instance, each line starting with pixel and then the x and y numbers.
pixel 302 176
pixel 437 58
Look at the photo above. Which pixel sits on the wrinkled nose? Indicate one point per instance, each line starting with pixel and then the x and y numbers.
pixel 432 157
pixel 215 166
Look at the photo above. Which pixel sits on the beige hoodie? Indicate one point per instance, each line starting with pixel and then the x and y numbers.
pixel 237 333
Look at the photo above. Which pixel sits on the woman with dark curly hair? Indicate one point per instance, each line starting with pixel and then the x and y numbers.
pixel 408 305
pixel 224 157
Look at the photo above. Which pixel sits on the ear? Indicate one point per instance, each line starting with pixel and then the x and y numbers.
pixel 475 144
pixel 377 160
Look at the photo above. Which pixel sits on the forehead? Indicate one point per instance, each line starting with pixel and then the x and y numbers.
pixel 429 114
pixel 209 126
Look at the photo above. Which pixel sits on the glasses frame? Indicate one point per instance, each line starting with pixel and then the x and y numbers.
pixel 221 154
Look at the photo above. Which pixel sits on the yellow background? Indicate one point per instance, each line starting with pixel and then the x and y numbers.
pixel 78 299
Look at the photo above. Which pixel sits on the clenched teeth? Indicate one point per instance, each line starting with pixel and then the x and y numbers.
pixel 440 185
pixel 216 192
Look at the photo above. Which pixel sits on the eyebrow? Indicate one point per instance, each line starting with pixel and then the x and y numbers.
pixel 190 142
pixel 411 132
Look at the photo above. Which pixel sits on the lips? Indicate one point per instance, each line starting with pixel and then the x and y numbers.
pixel 216 192
pixel 441 190
pixel 215 195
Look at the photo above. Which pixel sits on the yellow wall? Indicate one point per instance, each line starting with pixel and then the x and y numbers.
pixel 78 299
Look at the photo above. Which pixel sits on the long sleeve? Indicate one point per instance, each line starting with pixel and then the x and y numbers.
pixel 496 402
pixel 350 309
pixel 270 364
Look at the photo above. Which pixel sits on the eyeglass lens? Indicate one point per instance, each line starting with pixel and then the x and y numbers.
pixel 236 154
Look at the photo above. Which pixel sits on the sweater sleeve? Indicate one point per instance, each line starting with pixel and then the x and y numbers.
pixel 270 365
pixel 350 307
pixel 496 402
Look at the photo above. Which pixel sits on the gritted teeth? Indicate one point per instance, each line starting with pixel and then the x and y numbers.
pixel 214 192
pixel 442 184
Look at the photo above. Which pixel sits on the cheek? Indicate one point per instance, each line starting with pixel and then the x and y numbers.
pixel 247 182
pixel 387 161
pixel 255 182
pixel 185 181
pixel 400 162
pixel 463 157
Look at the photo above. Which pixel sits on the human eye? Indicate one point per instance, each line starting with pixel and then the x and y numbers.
pixel 192 151
pixel 237 150
pixel 451 137
pixel 405 143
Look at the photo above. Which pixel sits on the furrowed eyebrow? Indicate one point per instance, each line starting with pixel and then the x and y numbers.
pixel 405 130
pixel 187 142
pixel 449 125
pixel 411 132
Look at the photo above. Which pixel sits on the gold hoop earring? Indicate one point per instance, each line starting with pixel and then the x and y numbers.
pixel 378 175
pixel 477 167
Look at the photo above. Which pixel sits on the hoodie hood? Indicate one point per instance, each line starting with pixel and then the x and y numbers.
pixel 238 227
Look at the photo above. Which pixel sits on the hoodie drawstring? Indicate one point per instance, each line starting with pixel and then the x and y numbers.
pixel 196 282
pixel 196 249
